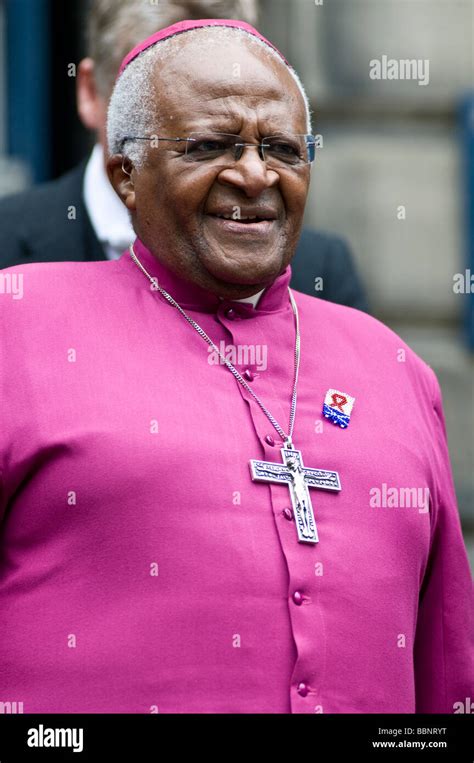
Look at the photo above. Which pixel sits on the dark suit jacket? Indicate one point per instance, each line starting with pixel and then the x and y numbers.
pixel 35 226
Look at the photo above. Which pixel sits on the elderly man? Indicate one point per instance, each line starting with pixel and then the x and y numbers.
pixel 181 535
pixel 35 225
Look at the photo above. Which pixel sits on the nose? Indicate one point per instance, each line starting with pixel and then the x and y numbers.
pixel 250 173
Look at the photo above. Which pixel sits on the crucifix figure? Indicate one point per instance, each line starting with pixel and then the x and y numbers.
pixel 299 478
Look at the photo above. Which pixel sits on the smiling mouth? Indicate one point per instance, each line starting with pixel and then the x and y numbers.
pixel 244 219
pixel 252 224
pixel 244 226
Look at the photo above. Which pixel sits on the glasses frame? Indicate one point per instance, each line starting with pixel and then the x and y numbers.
pixel 310 142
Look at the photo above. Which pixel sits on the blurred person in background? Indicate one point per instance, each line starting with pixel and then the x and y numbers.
pixel 34 224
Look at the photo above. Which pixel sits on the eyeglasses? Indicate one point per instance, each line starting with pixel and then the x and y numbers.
pixel 223 149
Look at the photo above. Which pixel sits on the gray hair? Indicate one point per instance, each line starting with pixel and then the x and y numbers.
pixel 132 109
pixel 115 26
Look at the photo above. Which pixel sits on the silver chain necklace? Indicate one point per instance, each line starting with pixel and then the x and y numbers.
pixel 291 472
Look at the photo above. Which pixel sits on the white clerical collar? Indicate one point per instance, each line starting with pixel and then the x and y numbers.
pixel 108 215
pixel 253 300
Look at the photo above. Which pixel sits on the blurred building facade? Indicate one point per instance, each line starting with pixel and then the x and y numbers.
pixel 390 174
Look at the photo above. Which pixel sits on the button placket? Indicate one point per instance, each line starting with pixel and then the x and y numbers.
pixel 301 609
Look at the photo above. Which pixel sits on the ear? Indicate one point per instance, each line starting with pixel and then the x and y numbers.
pixel 121 171
pixel 91 105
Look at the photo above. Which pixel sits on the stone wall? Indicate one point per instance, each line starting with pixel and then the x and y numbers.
pixel 389 175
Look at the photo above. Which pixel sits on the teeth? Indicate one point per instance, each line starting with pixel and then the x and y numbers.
pixel 242 217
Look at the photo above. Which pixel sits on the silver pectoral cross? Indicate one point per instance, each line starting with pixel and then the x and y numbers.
pixel 298 478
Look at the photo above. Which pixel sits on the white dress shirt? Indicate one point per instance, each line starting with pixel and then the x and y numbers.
pixel 108 215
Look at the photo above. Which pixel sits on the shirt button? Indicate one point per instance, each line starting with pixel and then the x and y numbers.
pixel 302 690
pixel 288 514
pixel 249 375
pixel 269 439
pixel 298 598
pixel 230 313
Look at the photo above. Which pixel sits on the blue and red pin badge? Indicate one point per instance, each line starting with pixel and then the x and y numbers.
pixel 338 407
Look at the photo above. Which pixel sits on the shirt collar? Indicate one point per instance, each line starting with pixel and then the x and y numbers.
pixel 274 298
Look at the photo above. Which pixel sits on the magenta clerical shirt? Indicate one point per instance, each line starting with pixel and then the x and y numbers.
pixel 141 569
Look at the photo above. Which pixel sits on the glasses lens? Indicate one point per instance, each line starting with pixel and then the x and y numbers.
pixel 285 149
pixel 215 148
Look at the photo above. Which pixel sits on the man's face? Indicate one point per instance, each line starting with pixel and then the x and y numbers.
pixel 176 204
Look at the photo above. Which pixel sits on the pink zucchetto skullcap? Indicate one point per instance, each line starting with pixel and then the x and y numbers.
pixel 186 26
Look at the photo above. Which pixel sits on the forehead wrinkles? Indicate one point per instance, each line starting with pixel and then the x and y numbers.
pixel 196 93
pixel 239 104
pixel 231 115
